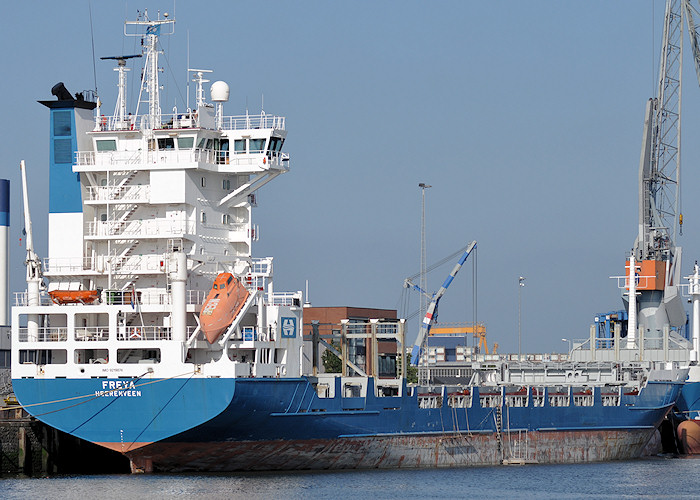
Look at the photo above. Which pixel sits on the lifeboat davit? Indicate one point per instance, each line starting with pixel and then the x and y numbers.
pixel 224 302
pixel 689 436
pixel 74 296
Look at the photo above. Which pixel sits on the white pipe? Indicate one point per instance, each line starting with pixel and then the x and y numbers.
pixel 178 278
pixel 695 293
pixel 632 314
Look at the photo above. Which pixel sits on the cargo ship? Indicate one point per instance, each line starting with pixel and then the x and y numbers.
pixel 151 330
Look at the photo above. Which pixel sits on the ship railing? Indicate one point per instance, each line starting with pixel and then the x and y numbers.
pixel 123 159
pixel 120 265
pixel 284 299
pixel 253 122
pixel 91 333
pixel 42 334
pixel 71 265
pixel 154 228
pixel 122 297
pixel 118 193
pixel 21 299
pixel 186 120
pixel 149 297
pixel 141 332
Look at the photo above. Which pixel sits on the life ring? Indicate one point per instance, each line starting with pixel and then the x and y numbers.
pixel 136 334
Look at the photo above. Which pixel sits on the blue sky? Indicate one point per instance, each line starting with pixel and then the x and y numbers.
pixel 525 117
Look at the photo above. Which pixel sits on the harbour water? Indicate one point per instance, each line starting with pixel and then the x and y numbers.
pixel 676 478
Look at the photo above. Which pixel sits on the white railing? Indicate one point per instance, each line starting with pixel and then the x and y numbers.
pixel 43 334
pixel 70 265
pixel 285 299
pixel 188 120
pixel 118 193
pixel 253 121
pixel 123 297
pixel 137 332
pixel 162 228
pixel 123 159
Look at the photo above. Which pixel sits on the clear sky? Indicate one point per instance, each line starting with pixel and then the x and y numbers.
pixel 525 117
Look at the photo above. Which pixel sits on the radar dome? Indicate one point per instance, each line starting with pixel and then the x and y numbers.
pixel 219 91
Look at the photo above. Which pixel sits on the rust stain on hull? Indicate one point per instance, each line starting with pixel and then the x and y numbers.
pixel 389 452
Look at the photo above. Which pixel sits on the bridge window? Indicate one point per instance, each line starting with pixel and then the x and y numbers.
pixel 239 146
pixel 185 142
pixel 257 145
pixel 166 143
pixel 106 145
pixel 276 144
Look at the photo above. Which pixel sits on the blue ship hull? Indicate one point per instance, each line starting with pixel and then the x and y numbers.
pixel 265 424
pixel 689 401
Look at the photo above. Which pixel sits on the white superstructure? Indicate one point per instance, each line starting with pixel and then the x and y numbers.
pixel 166 206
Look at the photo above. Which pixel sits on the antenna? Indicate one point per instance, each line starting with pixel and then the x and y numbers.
pixel 199 80
pixel 92 40
pixel 120 108
pixel 187 77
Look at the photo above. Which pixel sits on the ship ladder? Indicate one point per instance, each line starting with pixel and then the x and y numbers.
pixel 498 418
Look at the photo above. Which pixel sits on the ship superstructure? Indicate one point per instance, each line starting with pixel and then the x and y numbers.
pixel 145 211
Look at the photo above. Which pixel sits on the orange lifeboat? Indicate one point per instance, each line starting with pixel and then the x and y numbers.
pixel 225 300
pixel 74 296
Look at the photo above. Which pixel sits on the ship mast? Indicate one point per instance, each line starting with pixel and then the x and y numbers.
pixel 150 30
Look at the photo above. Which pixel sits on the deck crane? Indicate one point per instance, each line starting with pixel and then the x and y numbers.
pixel 655 256
pixel 35 276
pixel 431 314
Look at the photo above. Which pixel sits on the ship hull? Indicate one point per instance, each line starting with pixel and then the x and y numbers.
pixel 213 424
pixel 391 452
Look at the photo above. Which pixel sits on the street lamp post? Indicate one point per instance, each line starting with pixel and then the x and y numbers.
pixel 521 284
pixel 570 344
pixel 423 275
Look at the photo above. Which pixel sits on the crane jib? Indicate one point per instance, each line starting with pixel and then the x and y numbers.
pixel 431 314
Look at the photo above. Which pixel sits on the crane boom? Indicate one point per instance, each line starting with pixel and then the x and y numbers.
pixel 32 261
pixel 431 314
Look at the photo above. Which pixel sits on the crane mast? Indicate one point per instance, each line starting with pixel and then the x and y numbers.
pixel 656 258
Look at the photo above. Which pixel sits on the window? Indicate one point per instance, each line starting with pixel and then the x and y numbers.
pixel 239 146
pixel 226 219
pixel 257 145
pixel 62 123
pixel 185 142
pixel 201 143
pixel 103 182
pixel 140 356
pixel 106 145
pixel 204 182
pixel 226 184
pixel 276 144
pixel 62 151
pixel 43 356
pixel 166 143
pixel 203 217
pixel 91 356
pixel 103 217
